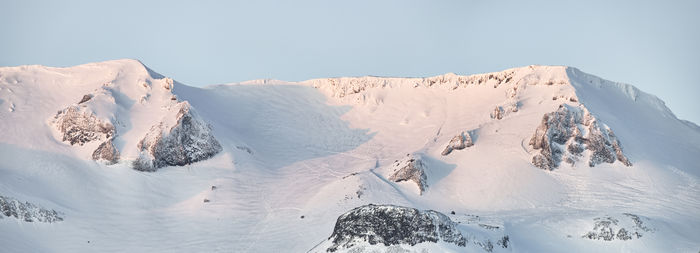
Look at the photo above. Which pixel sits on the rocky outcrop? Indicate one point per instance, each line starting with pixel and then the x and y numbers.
pixel 498 112
pixel 410 169
pixel 85 98
pixel 569 132
pixel 77 125
pixel 626 227
pixel 504 241
pixel 392 225
pixel 501 111
pixel 106 151
pixel 459 142
pixel 181 138
pixel 26 211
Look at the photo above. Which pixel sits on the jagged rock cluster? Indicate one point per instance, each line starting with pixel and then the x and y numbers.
pixel 410 169
pixel 183 142
pixel 567 133
pixel 345 86
pixel 461 141
pixel 609 228
pixel 392 225
pixel 504 241
pixel 78 125
pixel 26 211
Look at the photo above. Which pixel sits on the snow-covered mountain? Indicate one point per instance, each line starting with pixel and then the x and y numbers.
pixel 113 157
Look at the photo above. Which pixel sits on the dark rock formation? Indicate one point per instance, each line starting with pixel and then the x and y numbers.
pixel 503 242
pixel 410 169
pixel 567 133
pixel 78 125
pixel 609 228
pixel 391 225
pixel 26 211
pixel 183 142
pixel 459 142
pixel 106 151
pixel 85 98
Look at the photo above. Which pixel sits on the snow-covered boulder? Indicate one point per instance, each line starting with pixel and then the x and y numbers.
pixel 26 211
pixel 459 142
pixel 410 169
pixel 181 138
pixel 626 227
pixel 392 225
pixel 77 124
pixel 570 133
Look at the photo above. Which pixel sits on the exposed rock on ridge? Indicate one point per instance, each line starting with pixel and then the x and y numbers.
pixel 345 86
pixel 181 138
pixel 530 75
pixel 567 133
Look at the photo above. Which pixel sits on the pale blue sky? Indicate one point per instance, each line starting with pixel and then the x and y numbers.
pixel 654 45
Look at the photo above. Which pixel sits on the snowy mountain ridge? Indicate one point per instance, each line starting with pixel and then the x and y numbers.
pixel 529 75
pixel 342 86
pixel 552 157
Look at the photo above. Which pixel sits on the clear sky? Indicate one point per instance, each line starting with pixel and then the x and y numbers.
pixel 654 45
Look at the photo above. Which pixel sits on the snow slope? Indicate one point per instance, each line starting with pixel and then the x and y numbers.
pixel 322 147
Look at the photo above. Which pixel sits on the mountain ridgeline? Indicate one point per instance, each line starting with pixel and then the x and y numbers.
pixel 113 156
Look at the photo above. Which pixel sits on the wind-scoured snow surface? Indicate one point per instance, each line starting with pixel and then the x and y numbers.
pixel 294 156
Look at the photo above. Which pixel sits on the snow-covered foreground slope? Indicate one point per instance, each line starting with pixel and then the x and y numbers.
pixel 293 157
